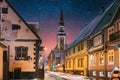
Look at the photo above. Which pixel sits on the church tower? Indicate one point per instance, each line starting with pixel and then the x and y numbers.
pixel 61 36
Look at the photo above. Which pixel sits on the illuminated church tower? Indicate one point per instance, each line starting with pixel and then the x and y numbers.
pixel 61 36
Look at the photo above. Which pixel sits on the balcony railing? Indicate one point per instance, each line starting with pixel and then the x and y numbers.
pixel 114 36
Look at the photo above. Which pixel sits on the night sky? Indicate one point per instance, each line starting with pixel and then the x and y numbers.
pixel 77 14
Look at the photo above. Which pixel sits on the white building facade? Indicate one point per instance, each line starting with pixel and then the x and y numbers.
pixel 21 41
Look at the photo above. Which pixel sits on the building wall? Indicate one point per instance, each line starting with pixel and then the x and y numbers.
pixel 111 48
pixel 1 63
pixel 23 36
pixel 73 59
pixel 22 63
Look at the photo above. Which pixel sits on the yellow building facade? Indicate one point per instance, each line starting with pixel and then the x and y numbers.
pixel 1 62
pixel 76 59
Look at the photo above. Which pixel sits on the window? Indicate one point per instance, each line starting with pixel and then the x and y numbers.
pixel 73 50
pixel 94 73
pixel 21 53
pixel 109 74
pixel 66 64
pixel 110 57
pixel 118 26
pixel 110 31
pixel 69 64
pixel 80 62
pixel 15 26
pixel 101 58
pixel 5 10
pixel 82 46
pixel 94 60
pixel 62 44
pixel 78 47
pixel 66 53
pixel 101 73
pixel 69 52
pixel 97 40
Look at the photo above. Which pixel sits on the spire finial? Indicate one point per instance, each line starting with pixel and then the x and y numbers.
pixel 61 19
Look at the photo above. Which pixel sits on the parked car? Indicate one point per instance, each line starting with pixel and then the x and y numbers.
pixel 115 75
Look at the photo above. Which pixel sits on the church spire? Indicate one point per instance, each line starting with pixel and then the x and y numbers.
pixel 61 23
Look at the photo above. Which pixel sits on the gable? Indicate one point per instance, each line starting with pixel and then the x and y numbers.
pixel 16 24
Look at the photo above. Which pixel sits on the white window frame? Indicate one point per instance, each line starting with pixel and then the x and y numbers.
pixel 109 74
pixel 110 53
pixel 101 73
pixel 94 73
pixel 101 56
pixel 98 40
pixel 94 59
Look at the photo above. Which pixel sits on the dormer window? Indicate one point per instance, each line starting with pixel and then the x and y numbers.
pixel 5 10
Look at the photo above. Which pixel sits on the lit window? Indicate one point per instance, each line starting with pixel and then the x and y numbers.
pixel 66 64
pixel 80 62
pixel 21 53
pixel 101 73
pixel 101 58
pixel 109 74
pixel 94 59
pixel 94 73
pixel 110 57
pixel 69 64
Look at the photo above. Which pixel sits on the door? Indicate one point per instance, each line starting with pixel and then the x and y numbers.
pixel 17 73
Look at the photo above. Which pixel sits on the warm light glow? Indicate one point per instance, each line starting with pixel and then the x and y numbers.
pixel 45 49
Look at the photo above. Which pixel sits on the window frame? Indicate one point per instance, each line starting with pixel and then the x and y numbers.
pixel 21 53
pixel 111 54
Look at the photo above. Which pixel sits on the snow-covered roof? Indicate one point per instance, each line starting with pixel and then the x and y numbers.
pixel 96 24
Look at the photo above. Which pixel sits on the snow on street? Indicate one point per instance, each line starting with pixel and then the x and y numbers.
pixel 63 76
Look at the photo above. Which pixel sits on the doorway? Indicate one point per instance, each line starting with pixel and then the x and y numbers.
pixel 17 73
